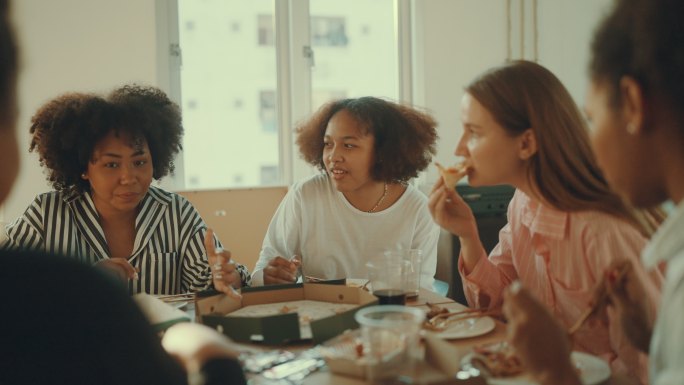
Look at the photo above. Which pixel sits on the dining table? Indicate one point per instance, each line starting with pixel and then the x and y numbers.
pixel 425 373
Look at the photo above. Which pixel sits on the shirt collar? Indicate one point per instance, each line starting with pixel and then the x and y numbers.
pixel 543 220
pixel 667 241
pixel 155 193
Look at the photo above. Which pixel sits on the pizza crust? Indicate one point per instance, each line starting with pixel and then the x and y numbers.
pixel 451 175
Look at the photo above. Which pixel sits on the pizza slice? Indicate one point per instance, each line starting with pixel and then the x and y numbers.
pixel 451 175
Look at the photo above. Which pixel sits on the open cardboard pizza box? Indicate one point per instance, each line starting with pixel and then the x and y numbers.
pixel 276 315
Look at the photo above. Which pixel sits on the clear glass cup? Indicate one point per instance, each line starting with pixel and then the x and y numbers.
pixel 387 274
pixel 390 336
pixel 415 265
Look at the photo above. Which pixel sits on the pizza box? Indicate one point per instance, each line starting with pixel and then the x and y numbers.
pixel 281 327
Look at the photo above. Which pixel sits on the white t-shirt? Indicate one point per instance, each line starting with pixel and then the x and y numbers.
pixel 335 240
pixel 667 343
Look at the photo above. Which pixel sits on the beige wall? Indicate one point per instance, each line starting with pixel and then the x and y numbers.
pixel 239 217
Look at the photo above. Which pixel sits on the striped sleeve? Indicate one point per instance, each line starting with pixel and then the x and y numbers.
pixel 26 232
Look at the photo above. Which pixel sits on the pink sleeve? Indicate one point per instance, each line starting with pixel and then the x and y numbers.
pixel 484 285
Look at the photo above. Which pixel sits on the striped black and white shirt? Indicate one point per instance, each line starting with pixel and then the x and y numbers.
pixel 168 251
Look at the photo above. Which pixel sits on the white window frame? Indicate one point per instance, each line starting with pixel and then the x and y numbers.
pixel 294 58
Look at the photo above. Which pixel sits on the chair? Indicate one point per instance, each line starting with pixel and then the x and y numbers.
pixel 440 287
pixel 489 205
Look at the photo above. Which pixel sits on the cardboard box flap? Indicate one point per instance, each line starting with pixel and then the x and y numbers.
pixel 282 328
pixel 275 330
pixel 216 304
pixel 286 293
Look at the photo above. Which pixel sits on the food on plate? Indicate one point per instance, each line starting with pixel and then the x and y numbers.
pixel 451 175
pixel 287 309
pixel 438 317
pixel 434 310
pixel 497 359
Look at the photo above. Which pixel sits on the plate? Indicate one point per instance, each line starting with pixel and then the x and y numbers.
pixel 178 304
pixel 592 369
pixel 471 327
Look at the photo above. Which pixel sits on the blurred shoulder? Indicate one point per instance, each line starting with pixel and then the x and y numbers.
pixel 602 226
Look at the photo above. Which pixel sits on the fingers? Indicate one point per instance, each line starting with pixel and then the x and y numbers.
pixel 209 242
pixel 616 280
pixel 438 185
pixel 281 271
pixel 225 274
pixel 436 204
pixel 123 268
pixel 223 271
pixel 514 300
pixel 220 262
pixel 194 344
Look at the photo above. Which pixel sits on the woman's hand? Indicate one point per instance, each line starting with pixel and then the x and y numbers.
pixel 540 343
pixel 627 295
pixel 281 270
pixel 225 275
pixel 451 212
pixel 194 344
pixel 120 267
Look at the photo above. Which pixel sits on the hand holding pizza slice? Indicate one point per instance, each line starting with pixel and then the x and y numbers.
pixel 451 175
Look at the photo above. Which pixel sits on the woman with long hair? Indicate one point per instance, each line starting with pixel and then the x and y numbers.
pixel 565 225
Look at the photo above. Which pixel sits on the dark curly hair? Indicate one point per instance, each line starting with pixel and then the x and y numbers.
pixel 643 39
pixel 404 137
pixel 66 130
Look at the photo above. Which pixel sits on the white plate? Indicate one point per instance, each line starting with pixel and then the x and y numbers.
pixel 179 304
pixel 592 369
pixel 467 328
pixel 471 327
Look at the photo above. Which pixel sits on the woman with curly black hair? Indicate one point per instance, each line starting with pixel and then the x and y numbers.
pixel 361 205
pixel 101 155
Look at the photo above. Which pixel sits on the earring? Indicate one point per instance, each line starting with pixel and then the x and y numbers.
pixel 83 175
pixel 631 128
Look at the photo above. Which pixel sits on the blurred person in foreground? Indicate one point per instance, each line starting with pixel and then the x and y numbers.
pixel 64 322
pixel 635 103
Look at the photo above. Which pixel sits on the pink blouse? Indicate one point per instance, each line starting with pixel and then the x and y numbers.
pixel 560 257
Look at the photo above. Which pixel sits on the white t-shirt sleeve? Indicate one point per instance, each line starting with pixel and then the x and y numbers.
pixel 283 234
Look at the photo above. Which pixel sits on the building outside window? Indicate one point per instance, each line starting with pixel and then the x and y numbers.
pixel 229 80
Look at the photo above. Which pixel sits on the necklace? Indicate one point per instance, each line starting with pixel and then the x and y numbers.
pixel 382 198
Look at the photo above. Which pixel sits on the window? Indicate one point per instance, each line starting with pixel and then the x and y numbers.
pixel 240 60
pixel 229 59
pixel 328 31
pixel 356 52
pixel 267 111
pixel 266 31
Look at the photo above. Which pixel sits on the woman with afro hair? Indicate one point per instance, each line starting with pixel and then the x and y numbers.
pixel 101 155
pixel 361 204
